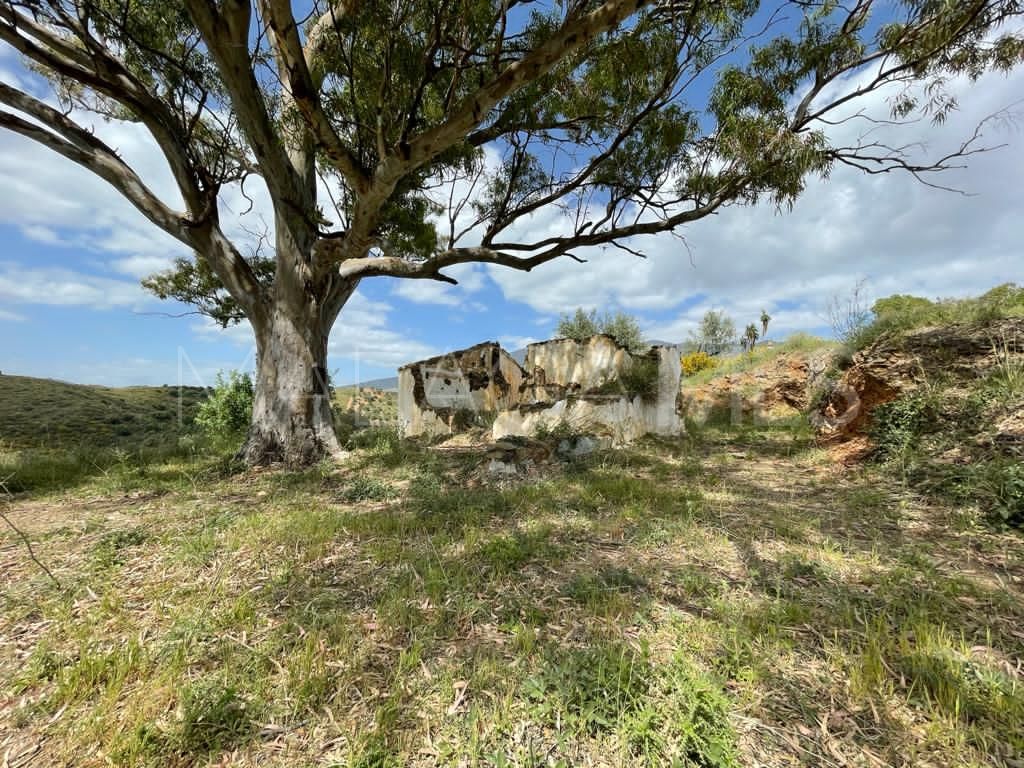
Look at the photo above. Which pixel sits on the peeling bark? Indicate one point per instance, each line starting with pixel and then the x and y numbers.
pixel 292 422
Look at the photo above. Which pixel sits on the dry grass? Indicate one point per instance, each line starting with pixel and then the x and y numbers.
pixel 730 601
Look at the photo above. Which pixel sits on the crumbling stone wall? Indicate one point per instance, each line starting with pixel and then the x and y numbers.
pixel 442 394
pixel 565 383
pixel 568 385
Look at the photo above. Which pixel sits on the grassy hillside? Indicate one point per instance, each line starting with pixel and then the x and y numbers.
pixel 375 406
pixel 47 413
pixel 944 384
pixel 729 598
pixel 57 436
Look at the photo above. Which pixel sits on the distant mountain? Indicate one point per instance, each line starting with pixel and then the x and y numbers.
pixel 389 384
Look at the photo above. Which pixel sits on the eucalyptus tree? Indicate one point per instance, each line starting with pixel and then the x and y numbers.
pixel 401 138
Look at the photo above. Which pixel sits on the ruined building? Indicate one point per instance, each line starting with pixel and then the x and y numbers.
pixel 591 387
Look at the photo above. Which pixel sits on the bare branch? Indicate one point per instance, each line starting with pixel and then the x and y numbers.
pixel 21 534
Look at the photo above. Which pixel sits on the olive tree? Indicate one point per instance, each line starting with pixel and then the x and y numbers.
pixel 363 120
pixel 622 327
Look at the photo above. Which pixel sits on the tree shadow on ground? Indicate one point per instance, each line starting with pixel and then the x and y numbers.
pixel 462 575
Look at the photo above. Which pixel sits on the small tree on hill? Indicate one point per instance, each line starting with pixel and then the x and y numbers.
pixel 579 326
pixel 765 319
pixel 625 330
pixel 716 334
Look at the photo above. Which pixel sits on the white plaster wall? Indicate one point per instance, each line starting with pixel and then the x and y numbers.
pixel 588 364
pixel 622 419
pixel 563 362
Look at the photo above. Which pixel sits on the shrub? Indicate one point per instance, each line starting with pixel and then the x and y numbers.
pixel 625 330
pixel 556 431
pixel 213 718
pixel 641 378
pixel 901 313
pixel 695 362
pixel 1002 486
pixel 849 315
pixel 1007 375
pixel 579 326
pixel 896 426
pixel 226 413
pixel 361 488
pixel 995 485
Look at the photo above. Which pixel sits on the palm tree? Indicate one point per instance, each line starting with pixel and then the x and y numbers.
pixel 765 319
pixel 751 336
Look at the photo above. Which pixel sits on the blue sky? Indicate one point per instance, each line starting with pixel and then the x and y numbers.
pixel 73 252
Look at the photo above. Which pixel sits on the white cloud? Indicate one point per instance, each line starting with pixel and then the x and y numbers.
pixel 471 279
pixel 426 292
pixel 63 287
pixel 513 343
pixel 42 234
pixel 11 317
pixel 54 201
pixel 360 336
pixel 141 265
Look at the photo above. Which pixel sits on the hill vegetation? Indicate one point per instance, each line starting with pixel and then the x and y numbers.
pixel 55 435
pixel 711 602
pixel 943 386
pixel 725 364
pixel 898 314
pixel 46 413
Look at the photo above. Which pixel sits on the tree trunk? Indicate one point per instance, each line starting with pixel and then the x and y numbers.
pixel 291 415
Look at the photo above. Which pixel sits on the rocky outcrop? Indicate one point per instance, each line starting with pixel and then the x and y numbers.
pixel 893 366
pixel 778 389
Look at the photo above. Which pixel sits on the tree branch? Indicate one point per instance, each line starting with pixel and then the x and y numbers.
pixel 225 30
pixel 82 147
pixel 574 33
pixel 21 534
pixel 304 91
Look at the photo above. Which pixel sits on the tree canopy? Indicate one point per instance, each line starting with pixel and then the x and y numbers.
pixel 581 325
pixel 587 105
